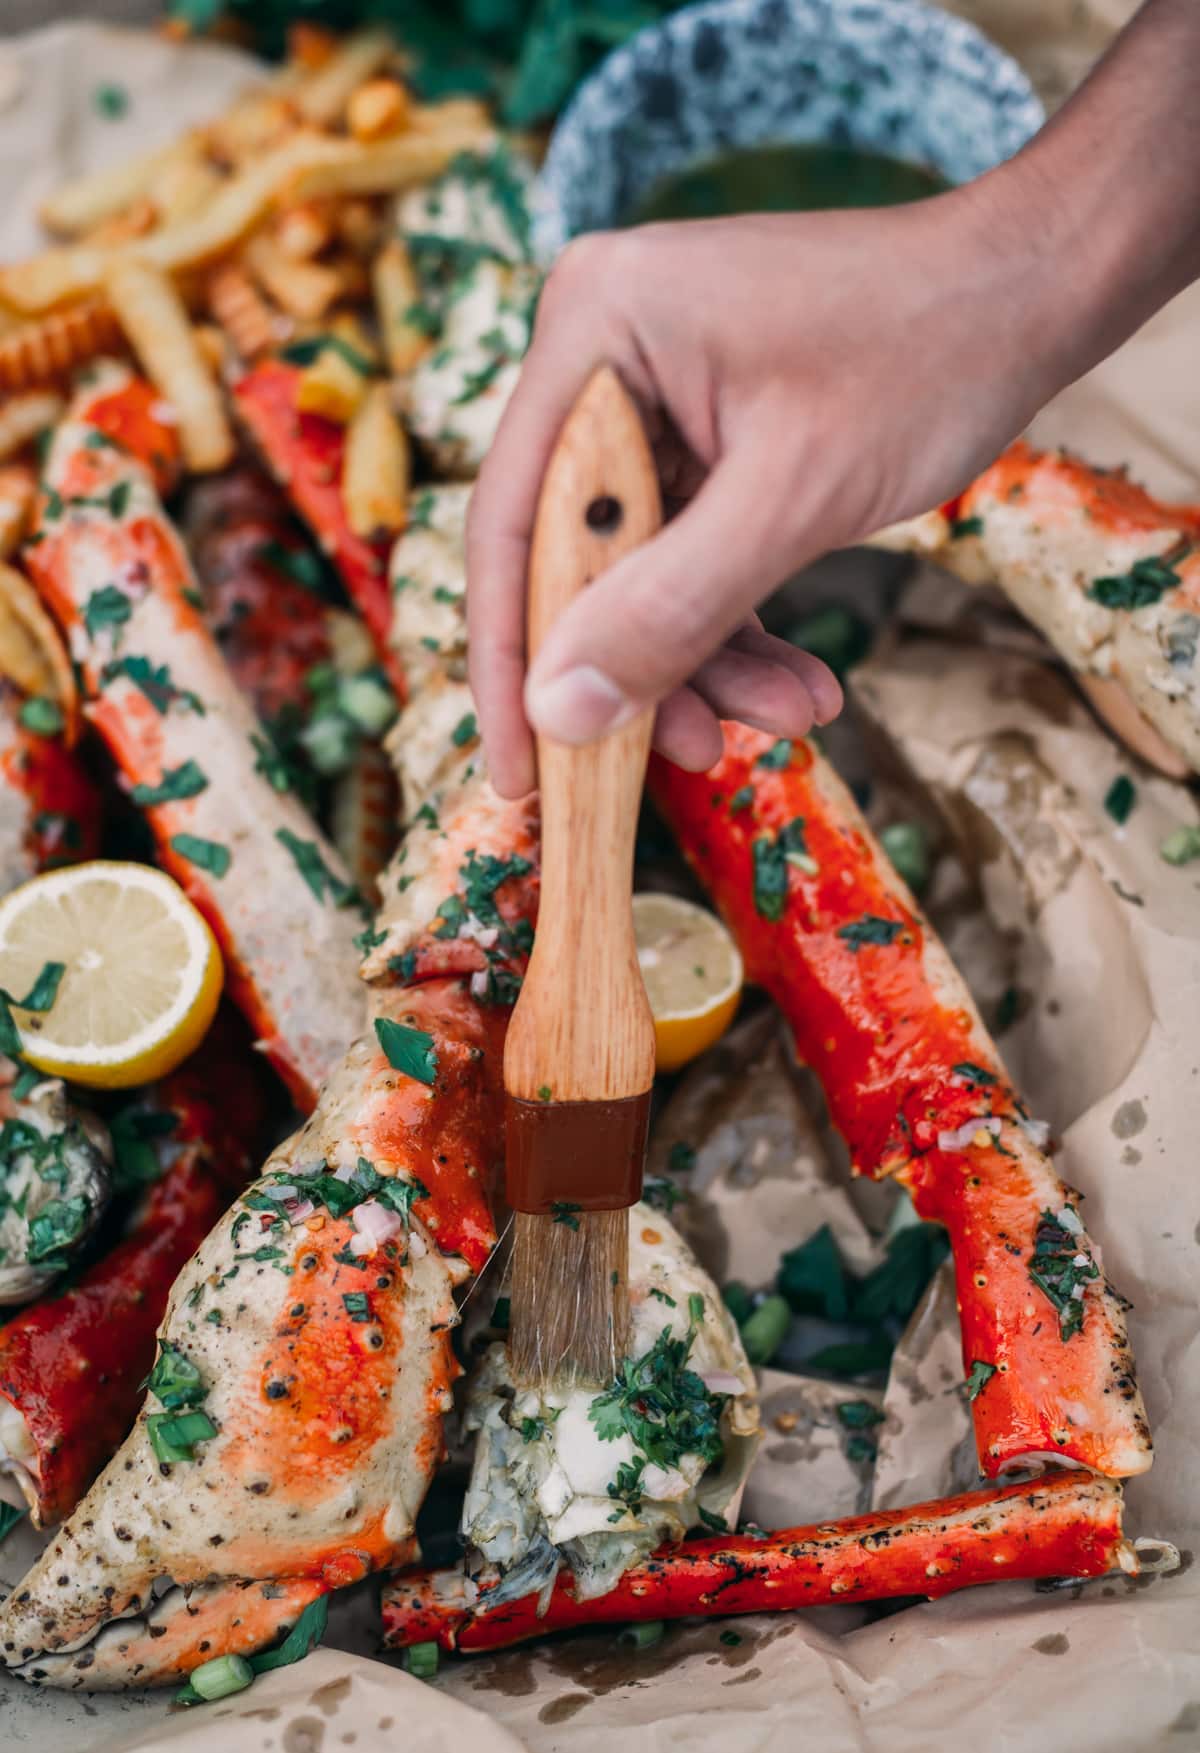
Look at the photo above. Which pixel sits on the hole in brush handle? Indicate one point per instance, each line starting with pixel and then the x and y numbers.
pixel 604 515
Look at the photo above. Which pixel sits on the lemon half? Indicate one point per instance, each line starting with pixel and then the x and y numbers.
pixel 693 975
pixel 142 972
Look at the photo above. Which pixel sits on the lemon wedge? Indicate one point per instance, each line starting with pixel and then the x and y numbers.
pixel 693 975
pixel 141 972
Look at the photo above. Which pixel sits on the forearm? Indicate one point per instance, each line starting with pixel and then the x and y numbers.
pixel 1105 202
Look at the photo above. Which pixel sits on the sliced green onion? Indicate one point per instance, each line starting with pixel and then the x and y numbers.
pixel 328 741
pixel 174 1437
pixel 642 1633
pixel 421 1660
pixel 221 1677
pixel 763 1331
pixel 368 701
pixel 1181 846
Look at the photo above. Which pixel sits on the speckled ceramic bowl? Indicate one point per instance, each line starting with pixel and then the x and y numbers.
pixel 890 76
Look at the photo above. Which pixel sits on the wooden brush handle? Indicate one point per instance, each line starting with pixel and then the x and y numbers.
pixel 582 1028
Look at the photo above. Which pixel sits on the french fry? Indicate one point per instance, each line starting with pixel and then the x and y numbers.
pixel 184 185
pixel 18 490
pixel 331 387
pixel 397 292
pixel 376 468
pixel 155 319
pixel 349 168
pixel 135 220
pixel 377 109
pixel 360 224
pixel 42 351
pixel 23 417
pixel 304 289
pixel 323 97
pixel 215 346
pixel 260 120
pixel 240 309
pixel 84 201
pixel 60 275
pixel 303 231
pixel 32 653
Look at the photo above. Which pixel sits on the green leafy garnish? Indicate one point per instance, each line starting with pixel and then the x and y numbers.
pixel 316 873
pixel 106 607
pixel 207 855
pixel 858 1414
pixel 835 635
pixel 304 1637
pixel 772 859
pixel 110 101
pixel 870 929
pixel 565 1212
pixel 310 348
pixel 302 565
pixel 741 800
pixel 43 717
pixel 980 1375
pixel 10 1515
pixel 357 1305
pixel 907 845
pixel 1181 846
pixel 974 1074
pixel 155 683
pixel 189 780
pixel 1061 1266
pixel 409 1050
pixel 44 991
pixel 57 1227
pixel 137 1163
pixel 175 1380
pixel 966 526
pixel 464 731
pixel 173 1437
pixel 1146 582
pixel 662 1194
pixel 778 756
pixel 665 1409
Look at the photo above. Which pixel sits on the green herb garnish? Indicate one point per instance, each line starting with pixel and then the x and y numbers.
pixel 978 1378
pixel 778 756
pixel 175 1380
pixel 189 780
pixel 1120 798
pixel 409 1050
pixel 1146 582
pixel 870 929
pixel 107 607
pixel 43 717
pixel 1061 1266
pixel 207 855
pixel 565 1212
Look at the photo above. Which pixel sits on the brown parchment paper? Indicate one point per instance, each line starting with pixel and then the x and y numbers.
pixel 1103 942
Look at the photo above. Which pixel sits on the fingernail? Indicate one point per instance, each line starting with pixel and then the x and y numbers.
pixel 578 705
pixel 827 699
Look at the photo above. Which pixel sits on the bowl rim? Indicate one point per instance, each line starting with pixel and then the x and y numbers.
pixel 1022 110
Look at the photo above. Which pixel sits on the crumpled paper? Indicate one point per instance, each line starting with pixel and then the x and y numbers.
pixel 1102 940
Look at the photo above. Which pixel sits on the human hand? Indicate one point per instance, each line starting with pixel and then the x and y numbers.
pixel 804 380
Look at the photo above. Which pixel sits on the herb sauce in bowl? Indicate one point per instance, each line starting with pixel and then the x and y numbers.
pixel 787 179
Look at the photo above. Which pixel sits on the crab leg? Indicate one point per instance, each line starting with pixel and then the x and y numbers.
pixel 1109 574
pixel 276 634
pixel 317 1318
pixel 918 1091
pixel 72 1366
pixel 112 568
pixel 1066 1525
pixel 304 452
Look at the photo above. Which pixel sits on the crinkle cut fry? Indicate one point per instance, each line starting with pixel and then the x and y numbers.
pixel 878 1010
pixel 1066 1524
pixel 72 1365
pixel 304 452
pixel 113 570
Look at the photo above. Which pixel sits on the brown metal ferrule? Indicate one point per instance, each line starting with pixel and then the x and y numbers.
pixel 586 1154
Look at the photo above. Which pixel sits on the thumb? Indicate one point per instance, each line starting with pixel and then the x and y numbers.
pixel 652 619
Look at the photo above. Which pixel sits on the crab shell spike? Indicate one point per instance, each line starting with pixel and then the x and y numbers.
pixel 887 1023
pixel 1066 1525
pixel 113 570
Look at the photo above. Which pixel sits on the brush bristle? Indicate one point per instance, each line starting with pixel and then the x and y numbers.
pixel 569 1298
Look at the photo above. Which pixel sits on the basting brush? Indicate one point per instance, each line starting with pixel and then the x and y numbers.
pixel 579 1057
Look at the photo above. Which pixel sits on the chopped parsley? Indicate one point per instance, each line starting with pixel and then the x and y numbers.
pixel 106 607
pixel 980 1375
pixel 565 1212
pixel 664 1408
pixel 309 349
pixel 154 681
pixel 409 1050
pixel 301 565
pixel 741 800
pixel 276 768
pixel 110 101
pixel 870 929
pixel 965 526
pixel 778 756
pixel 175 1380
pixel 44 991
pixel 58 1226
pixel 135 1131
pixel 357 1305
pixel 772 859
pixel 316 873
pixel 1120 798
pixel 1146 582
pixel 464 731
pixel 662 1194
pixel 974 1074
pixel 1181 846
pixel 42 716
pixel 207 855
pixel 368 939
pixel 857 1414
pixel 1061 1267
pixel 664 1298
pixel 189 780
pixel 340 1195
